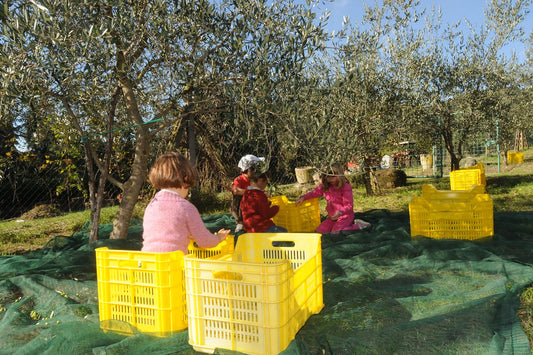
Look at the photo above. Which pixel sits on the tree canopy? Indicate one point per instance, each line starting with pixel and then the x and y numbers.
pixel 98 89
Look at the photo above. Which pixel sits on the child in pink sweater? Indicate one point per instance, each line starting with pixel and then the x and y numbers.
pixel 339 196
pixel 170 221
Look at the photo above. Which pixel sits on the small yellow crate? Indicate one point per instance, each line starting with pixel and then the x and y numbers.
pixel 144 291
pixel 515 158
pixel 141 290
pixel 303 218
pixel 466 215
pixel 255 300
pixel 464 179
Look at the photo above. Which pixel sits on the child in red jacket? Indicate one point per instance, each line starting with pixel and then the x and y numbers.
pixel 248 165
pixel 256 209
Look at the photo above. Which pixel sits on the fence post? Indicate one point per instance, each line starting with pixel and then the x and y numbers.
pixel 437 161
pixel 498 143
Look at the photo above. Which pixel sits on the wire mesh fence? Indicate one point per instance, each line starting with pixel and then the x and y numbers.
pixel 61 186
pixel 437 163
pixel 33 186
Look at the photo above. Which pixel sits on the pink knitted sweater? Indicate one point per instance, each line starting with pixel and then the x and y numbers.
pixel 338 200
pixel 169 223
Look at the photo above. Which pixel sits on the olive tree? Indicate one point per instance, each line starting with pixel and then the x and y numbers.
pixel 148 65
pixel 366 97
pixel 457 75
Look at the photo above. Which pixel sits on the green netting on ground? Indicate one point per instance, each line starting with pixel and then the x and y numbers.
pixel 383 292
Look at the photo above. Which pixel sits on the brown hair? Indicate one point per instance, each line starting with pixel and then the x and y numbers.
pixel 334 169
pixel 256 178
pixel 172 170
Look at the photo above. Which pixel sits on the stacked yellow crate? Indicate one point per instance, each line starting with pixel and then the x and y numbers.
pixel 254 300
pixel 144 291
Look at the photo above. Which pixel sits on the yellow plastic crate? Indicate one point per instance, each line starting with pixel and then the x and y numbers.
pixel 464 179
pixel 466 215
pixel 515 157
pixel 430 192
pixel 303 218
pixel 224 247
pixel 141 291
pixel 144 291
pixel 256 299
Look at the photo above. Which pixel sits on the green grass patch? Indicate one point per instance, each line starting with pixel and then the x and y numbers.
pixel 18 235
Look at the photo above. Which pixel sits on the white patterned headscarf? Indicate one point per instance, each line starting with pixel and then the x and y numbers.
pixel 248 161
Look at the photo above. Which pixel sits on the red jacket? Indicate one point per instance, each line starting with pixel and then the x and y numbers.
pixel 256 211
pixel 241 181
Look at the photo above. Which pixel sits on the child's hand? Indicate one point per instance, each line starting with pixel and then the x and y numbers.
pixel 222 234
pixel 335 216
pixel 299 201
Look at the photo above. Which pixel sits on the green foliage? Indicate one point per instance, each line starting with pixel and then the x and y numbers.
pixel 220 79
pixel 189 63
pixel 210 202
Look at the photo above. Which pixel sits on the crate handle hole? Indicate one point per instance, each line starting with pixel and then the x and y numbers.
pixel 227 275
pixel 283 243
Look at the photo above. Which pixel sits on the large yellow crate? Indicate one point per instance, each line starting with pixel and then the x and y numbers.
pixel 466 215
pixel 256 299
pixel 464 179
pixel 144 291
pixel 430 192
pixel 515 157
pixel 303 218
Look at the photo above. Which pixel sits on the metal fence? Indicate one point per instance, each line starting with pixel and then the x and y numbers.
pixel 51 186
pixel 438 163
pixel 30 191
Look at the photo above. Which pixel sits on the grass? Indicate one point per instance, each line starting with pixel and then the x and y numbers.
pixel 510 190
pixel 19 236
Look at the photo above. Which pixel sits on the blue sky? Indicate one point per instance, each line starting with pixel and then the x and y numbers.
pixel 452 12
